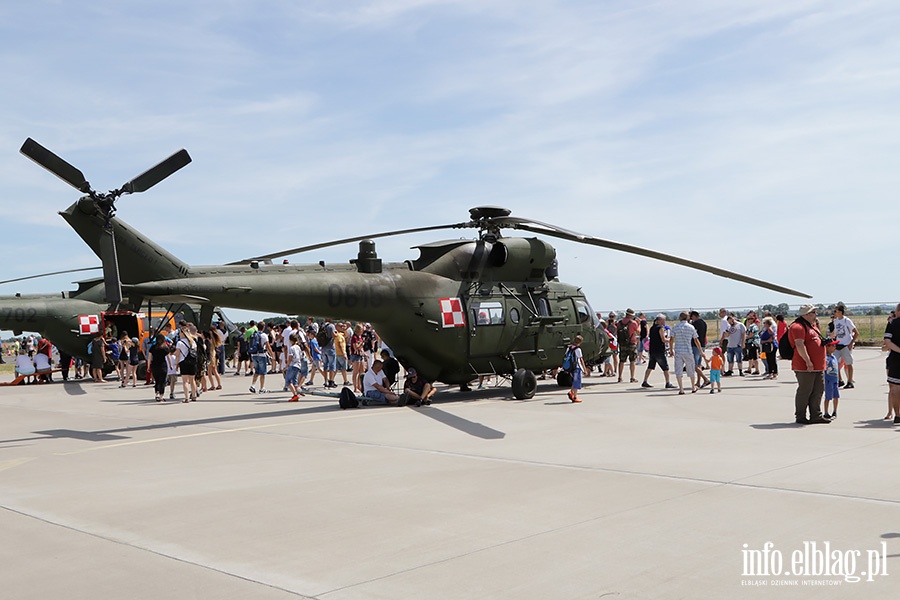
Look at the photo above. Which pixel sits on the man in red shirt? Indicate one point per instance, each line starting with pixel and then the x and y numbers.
pixel 808 365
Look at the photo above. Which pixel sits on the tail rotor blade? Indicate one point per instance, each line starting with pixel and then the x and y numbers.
pixel 154 175
pixel 110 261
pixel 55 165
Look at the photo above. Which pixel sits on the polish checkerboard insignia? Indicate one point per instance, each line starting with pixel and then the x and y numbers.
pixel 452 312
pixel 89 324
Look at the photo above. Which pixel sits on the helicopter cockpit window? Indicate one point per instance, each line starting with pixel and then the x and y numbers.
pixel 594 318
pixel 584 311
pixel 487 313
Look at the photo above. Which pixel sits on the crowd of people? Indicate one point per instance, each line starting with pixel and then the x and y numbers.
pixel 353 354
pixel 636 340
pixel 821 362
pixel 749 345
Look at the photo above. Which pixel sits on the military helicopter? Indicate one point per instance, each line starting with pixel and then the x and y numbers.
pixel 464 308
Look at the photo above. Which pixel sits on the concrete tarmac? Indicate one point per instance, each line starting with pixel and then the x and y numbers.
pixel 633 493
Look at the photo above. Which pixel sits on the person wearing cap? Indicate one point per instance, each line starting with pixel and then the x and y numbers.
pixel 627 335
pixel 808 365
pixel 416 389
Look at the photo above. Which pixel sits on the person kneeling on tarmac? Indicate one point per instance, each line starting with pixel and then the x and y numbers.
pixel 375 387
pixel 416 389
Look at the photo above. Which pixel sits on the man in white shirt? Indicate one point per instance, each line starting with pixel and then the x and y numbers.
pixel 845 332
pixel 289 330
pixel 723 327
pixel 736 334
pixel 375 387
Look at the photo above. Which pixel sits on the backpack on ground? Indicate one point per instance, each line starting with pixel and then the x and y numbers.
pixel 348 399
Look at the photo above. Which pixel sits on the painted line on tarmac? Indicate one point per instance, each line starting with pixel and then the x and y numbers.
pixel 15 462
pixel 218 431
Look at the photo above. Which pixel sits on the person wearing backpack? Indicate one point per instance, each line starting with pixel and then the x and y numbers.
pixel 627 335
pixel 808 365
pixel 186 357
pixel 260 352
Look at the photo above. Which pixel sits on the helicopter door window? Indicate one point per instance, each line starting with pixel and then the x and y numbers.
pixel 487 313
pixel 543 307
pixel 514 315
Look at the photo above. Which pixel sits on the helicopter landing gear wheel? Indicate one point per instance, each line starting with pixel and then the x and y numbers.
pixel 564 379
pixel 524 384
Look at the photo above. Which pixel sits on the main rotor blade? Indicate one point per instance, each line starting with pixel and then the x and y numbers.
pixel 55 165
pixel 358 238
pixel 49 274
pixel 154 175
pixel 552 230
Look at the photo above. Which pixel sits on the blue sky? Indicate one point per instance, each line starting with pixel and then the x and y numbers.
pixel 760 136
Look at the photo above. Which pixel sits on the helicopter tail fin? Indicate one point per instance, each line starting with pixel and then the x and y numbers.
pixel 140 258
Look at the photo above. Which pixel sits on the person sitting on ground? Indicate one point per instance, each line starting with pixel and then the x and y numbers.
pixel 42 367
pixel 375 387
pixel 417 389
pixel 24 366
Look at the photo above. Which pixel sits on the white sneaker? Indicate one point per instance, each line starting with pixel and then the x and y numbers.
pixel 252 390
pixel 263 391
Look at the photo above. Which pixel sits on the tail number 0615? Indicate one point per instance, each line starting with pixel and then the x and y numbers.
pixel 352 295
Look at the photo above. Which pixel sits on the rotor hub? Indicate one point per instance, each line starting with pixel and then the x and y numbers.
pixel 488 212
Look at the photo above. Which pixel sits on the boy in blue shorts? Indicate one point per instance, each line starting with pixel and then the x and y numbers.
pixel 832 389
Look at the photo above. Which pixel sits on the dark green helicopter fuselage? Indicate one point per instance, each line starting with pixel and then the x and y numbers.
pixel 464 308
